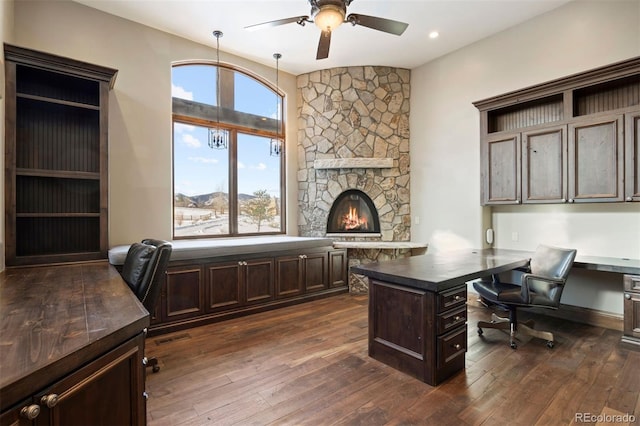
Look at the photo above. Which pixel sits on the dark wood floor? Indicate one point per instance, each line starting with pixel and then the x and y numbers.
pixel 308 365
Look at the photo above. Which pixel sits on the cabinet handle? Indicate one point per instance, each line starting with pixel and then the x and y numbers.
pixel 456 318
pixel 627 296
pixel 457 297
pixel 571 200
pixel 49 400
pixel 564 200
pixel 628 199
pixel 456 346
pixel 145 395
pixel 30 412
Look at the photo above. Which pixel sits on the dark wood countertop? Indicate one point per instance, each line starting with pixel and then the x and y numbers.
pixel 54 319
pixel 439 271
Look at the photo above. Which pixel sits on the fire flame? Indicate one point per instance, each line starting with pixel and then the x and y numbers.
pixel 351 220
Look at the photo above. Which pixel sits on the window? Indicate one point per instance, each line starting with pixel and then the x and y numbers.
pixel 236 189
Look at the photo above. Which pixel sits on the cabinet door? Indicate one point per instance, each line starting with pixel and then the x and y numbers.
pixel 632 306
pixel 500 168
pixel 315 271
pixel 224 289
pixel 338 268
pixel 184 295
pixel 288 276
pixel 108 391
pixel 632 156
pixel 596 160
pixel 258 280
pixel 544 165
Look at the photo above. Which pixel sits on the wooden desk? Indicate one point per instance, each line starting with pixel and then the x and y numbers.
pixel 75 332
pixel 417 308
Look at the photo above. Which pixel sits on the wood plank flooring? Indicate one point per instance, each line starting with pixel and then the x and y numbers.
pixel 308 365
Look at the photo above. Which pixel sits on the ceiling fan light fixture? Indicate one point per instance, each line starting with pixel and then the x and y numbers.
pixel 329 17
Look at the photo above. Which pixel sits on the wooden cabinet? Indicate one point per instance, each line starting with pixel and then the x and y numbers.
pixel 421 333
pixel 631 309
pixel 301 274
pixel 238 283
pixel 564 141
pixel 544 165
pixel 79 398
pixel 632 156
pixel 55 158
pixel 201 291
pixel 596 155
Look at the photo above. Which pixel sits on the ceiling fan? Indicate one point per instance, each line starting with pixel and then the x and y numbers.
pixel 328 15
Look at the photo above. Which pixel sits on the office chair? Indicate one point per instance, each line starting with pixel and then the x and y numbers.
pixel 143 270
pixel 541 286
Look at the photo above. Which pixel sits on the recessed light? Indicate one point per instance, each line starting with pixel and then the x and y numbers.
pixel 434 34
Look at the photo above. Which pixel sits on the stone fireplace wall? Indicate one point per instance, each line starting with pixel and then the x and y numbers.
pixel 354 112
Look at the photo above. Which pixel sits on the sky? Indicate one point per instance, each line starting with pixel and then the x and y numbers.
pixel 199 169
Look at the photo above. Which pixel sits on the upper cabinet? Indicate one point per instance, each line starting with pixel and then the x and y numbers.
pixel 56 175
pixel 570 140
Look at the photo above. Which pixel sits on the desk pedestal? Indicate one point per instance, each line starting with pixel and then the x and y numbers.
pixel 419 332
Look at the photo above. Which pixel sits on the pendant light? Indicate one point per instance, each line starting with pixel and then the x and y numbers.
pixel 218 138
pixel 277 144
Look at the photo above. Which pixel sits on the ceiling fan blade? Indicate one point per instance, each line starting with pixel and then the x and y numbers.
pixel 380 24
pixel 301 20
pixel 323 45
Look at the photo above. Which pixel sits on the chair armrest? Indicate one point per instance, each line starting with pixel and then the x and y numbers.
pixel 541 290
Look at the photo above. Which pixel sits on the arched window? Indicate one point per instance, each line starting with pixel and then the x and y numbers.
pixel 233 188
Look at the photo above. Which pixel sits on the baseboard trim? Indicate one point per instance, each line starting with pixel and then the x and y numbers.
pixel 579 314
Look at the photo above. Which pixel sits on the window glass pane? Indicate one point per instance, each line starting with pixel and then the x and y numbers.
pixel 194 83
pixel 258 186
pixel 200 183
pixel 253 97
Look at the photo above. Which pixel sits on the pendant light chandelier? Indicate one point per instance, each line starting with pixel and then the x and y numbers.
pixel 218 137
pixel 277 144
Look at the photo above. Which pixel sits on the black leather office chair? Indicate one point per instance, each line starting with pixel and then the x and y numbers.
pixel 143 270
pixel 541 286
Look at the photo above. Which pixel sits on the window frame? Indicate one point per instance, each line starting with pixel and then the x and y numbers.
pixel 234 122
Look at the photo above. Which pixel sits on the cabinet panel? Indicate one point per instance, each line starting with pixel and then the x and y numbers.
pixel 501 169
pixel 184 295
pixel 632 308
pixel 337 268
pixel 259 280
pixel 315 271
pixel 288 276
pixel 596 160
pixel 544 165
pixel 224 285
pixel 632 156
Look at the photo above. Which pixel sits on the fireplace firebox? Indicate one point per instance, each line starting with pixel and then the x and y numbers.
pixel 353 212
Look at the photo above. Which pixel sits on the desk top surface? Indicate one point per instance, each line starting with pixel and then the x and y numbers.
pixel 439 271
pixel 55 318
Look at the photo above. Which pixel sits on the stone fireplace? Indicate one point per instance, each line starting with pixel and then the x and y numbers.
pixel 353 137
pixel 353 214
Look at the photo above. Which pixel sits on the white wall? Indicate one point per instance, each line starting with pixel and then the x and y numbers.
pixel 445 144
pixel 140 165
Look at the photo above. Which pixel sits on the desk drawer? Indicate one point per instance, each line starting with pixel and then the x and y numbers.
pixel 449 299
pixel 451 319
pixel 452 346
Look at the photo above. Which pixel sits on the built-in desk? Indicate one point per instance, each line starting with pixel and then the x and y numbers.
pixel 71 346
pixel 418 312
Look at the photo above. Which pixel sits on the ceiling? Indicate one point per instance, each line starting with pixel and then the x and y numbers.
pixel 458 22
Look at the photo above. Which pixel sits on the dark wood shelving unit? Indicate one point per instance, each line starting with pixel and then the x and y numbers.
pixel 56 193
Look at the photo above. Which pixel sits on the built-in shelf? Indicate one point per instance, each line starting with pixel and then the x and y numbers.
pixel 353 163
